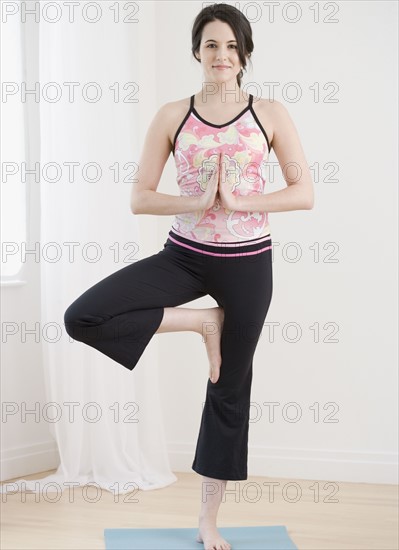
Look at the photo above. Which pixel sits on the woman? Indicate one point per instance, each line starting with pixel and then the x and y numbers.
pixel 219 245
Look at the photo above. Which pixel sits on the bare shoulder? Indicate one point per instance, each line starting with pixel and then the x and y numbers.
pixel 172 114
pixel 269 106
pixel 271 113
pixel 171 108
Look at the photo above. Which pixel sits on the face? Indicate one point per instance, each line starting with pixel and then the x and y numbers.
pixel 219 47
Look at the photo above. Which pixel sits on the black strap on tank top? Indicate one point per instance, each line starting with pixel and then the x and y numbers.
pixel 249 107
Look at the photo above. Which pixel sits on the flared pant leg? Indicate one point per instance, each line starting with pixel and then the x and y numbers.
pixel 243 287
pixel 119 315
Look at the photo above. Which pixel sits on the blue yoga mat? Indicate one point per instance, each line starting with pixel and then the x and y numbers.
pixel 274 537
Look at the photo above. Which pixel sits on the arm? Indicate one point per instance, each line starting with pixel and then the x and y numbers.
pixel 299 193
pixel 145 199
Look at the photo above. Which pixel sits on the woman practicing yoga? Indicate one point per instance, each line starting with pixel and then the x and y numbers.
pixel 218 245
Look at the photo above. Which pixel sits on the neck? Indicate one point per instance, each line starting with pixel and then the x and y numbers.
pixel 213 93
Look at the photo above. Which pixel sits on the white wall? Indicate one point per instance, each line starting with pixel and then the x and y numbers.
pixel 351 383
pixel 357 294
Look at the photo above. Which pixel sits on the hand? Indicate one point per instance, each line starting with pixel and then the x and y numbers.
pixel 227 199
pixel 207 199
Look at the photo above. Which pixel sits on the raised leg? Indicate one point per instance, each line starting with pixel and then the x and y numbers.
pixel 119 315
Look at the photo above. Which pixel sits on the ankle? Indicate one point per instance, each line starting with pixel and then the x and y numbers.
pixel 208 517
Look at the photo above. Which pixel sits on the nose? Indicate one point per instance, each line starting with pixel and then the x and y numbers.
pixel 221 53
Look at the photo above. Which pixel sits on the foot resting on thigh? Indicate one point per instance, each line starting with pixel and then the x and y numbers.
pixel 211 330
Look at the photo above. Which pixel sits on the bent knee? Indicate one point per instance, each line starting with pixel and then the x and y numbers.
pixel 76 318
pixel 72 319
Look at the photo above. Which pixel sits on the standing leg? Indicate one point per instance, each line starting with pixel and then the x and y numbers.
pixel 243 287
pixel 212 495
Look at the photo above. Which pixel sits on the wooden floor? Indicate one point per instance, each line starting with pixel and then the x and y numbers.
pixel 363 518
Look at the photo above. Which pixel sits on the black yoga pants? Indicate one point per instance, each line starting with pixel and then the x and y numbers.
pixel 119 315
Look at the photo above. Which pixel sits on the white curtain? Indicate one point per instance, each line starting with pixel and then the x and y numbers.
pixel 125 447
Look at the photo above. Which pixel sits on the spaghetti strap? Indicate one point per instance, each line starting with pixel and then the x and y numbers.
pixel 250 100
pixel 192 102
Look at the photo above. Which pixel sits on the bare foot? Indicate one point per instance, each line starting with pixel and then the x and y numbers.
pixel 211 330
pixel 210 536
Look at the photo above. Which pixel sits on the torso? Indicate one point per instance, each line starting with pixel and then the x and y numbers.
pixel 197 137
pixel 178 110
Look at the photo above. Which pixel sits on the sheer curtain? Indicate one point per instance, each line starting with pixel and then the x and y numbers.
pixel 106 420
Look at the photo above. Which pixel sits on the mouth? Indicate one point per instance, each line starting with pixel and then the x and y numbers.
pixel 221 67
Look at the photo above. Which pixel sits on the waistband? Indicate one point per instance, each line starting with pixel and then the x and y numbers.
pixel 241 248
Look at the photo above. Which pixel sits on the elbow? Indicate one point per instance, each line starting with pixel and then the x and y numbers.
pixel 139 203
pixel 309 204
pixel 133 208
pixel 134 205
pixel 308 195
pixel 306 203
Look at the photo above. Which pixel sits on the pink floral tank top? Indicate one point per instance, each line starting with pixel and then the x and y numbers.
pixel 196 147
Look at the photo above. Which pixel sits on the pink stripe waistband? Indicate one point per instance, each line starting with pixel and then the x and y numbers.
pixel 237 244
pixel 225 255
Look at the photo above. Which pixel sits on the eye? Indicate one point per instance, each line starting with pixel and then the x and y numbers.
pixel 232 45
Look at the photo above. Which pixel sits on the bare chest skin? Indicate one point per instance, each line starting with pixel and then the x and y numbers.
pixel 217 114
pixel 261 107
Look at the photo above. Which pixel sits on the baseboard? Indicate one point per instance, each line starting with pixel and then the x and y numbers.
pixel 307 464
pixel 30 459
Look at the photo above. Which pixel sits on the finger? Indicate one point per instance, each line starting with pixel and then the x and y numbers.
pixel 215 175
pixel 214 170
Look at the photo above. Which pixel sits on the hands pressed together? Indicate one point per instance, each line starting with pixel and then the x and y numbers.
pixel 218 188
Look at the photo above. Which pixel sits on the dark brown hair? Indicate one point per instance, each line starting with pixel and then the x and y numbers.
pixel 238 23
